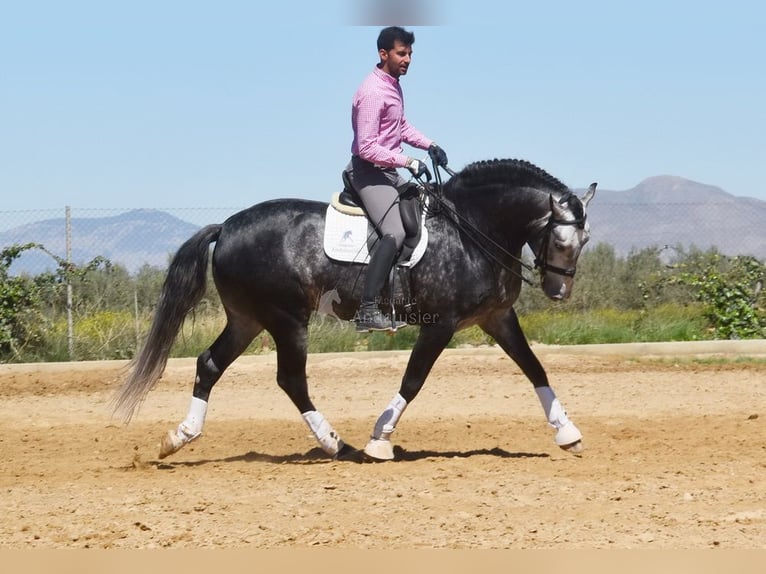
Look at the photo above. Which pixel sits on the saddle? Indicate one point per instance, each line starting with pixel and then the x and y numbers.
pixel 350 237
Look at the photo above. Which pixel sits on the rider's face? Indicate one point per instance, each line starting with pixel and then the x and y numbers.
pixel 396 60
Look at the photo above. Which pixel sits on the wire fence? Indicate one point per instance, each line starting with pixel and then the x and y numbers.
pixel 134 238
pixel 131 238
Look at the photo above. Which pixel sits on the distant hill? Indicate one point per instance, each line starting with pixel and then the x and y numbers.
pixel 670 210
pixel 131 239
pixel 662 210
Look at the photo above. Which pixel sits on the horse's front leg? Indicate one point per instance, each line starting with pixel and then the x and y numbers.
pixel 505 329
pixel 430 343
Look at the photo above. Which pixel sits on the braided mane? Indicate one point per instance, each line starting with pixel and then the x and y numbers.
pixel 516 172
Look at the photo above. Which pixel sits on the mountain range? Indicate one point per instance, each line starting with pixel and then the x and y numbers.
pixel 132 239
pixel 672 211
pixel 659 211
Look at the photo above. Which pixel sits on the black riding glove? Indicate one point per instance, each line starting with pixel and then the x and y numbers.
pixel 438 155
pixel 418 169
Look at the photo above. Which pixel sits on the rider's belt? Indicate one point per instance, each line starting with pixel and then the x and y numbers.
pixel 364 161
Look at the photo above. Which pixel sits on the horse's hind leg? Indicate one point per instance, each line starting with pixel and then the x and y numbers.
pixel 291 339
pixel 505 329
pixel 211 364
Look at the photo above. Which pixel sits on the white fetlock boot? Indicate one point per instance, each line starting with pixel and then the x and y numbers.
pixel 189 430
pixel 568 436
pixel 380 446
pixel 326 436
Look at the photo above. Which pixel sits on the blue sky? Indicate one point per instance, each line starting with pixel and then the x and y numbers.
pixel 195 104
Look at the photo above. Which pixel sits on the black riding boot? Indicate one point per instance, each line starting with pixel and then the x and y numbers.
pixel 369 317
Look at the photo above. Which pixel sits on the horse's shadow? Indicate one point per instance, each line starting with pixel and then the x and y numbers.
pixel 402 455
pixel 348 454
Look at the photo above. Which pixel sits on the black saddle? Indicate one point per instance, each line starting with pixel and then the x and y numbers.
pixel 349 196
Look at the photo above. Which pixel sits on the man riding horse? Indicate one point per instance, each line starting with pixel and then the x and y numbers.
pixel 269 275
pixel 380 127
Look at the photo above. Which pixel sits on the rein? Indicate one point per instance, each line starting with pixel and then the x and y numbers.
pixel 463 223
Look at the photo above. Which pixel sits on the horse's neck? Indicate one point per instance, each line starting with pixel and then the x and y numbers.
pixel 513 214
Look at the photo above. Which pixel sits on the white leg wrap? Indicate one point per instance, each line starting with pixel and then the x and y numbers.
pixel 567 433
pixel 380 447
pixel 387 421
pixel 326 436
pixel 554 412
pixel 195 419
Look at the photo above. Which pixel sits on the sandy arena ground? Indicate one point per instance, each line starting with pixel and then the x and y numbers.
pixel 675 455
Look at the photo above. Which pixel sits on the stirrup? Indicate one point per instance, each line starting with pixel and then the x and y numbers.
pixel 368 320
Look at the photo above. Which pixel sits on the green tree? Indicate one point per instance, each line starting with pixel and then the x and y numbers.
pixel 147 285
pixel 639 279
pixel 597 283
pixel 30 305
pixel 730 288
pixel 19 298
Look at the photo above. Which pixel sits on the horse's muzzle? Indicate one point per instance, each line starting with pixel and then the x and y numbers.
pixel 557 287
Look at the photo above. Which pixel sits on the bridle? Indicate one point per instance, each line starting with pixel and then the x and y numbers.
pixel 481 240
pixel 541 261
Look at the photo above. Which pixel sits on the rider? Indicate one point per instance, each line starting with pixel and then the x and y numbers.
pixel 377 118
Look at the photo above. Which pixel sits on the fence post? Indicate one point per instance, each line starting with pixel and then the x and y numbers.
pixel 70 324
pixel 135 314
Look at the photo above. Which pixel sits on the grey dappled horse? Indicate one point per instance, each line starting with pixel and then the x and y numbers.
pixel 270 271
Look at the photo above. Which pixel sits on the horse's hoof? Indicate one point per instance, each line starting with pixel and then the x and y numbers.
pixel 349 454
pixel 174 441
pixel 574 448
pixel 170 444
pixel 379 449
pixel 568 435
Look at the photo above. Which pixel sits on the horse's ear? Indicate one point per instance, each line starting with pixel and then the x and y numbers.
pixel 589 194
pixel 557 211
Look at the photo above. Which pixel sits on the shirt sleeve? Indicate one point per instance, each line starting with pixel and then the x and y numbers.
pixel 413 137
pixel 368 110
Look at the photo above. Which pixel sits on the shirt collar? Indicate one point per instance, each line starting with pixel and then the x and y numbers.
pixel 386 77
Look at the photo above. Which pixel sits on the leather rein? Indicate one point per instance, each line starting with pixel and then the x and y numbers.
pixel 481 240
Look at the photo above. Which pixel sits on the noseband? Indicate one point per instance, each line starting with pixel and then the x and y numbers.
pixel 541 261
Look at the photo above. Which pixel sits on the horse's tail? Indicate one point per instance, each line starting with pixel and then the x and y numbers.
pixel 184 287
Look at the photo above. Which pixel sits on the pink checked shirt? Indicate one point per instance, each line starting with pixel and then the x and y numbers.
pixel 377 117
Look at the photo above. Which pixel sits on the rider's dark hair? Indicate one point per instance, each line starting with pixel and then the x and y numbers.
pixel 389 35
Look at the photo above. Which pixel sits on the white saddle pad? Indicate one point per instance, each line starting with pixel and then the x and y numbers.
pixel 345 238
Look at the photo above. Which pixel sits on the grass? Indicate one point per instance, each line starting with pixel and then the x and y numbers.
pixel 742 361
pixel 666 323
pixel 105 336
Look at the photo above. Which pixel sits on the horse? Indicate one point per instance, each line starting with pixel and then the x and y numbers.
pixel 270 271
